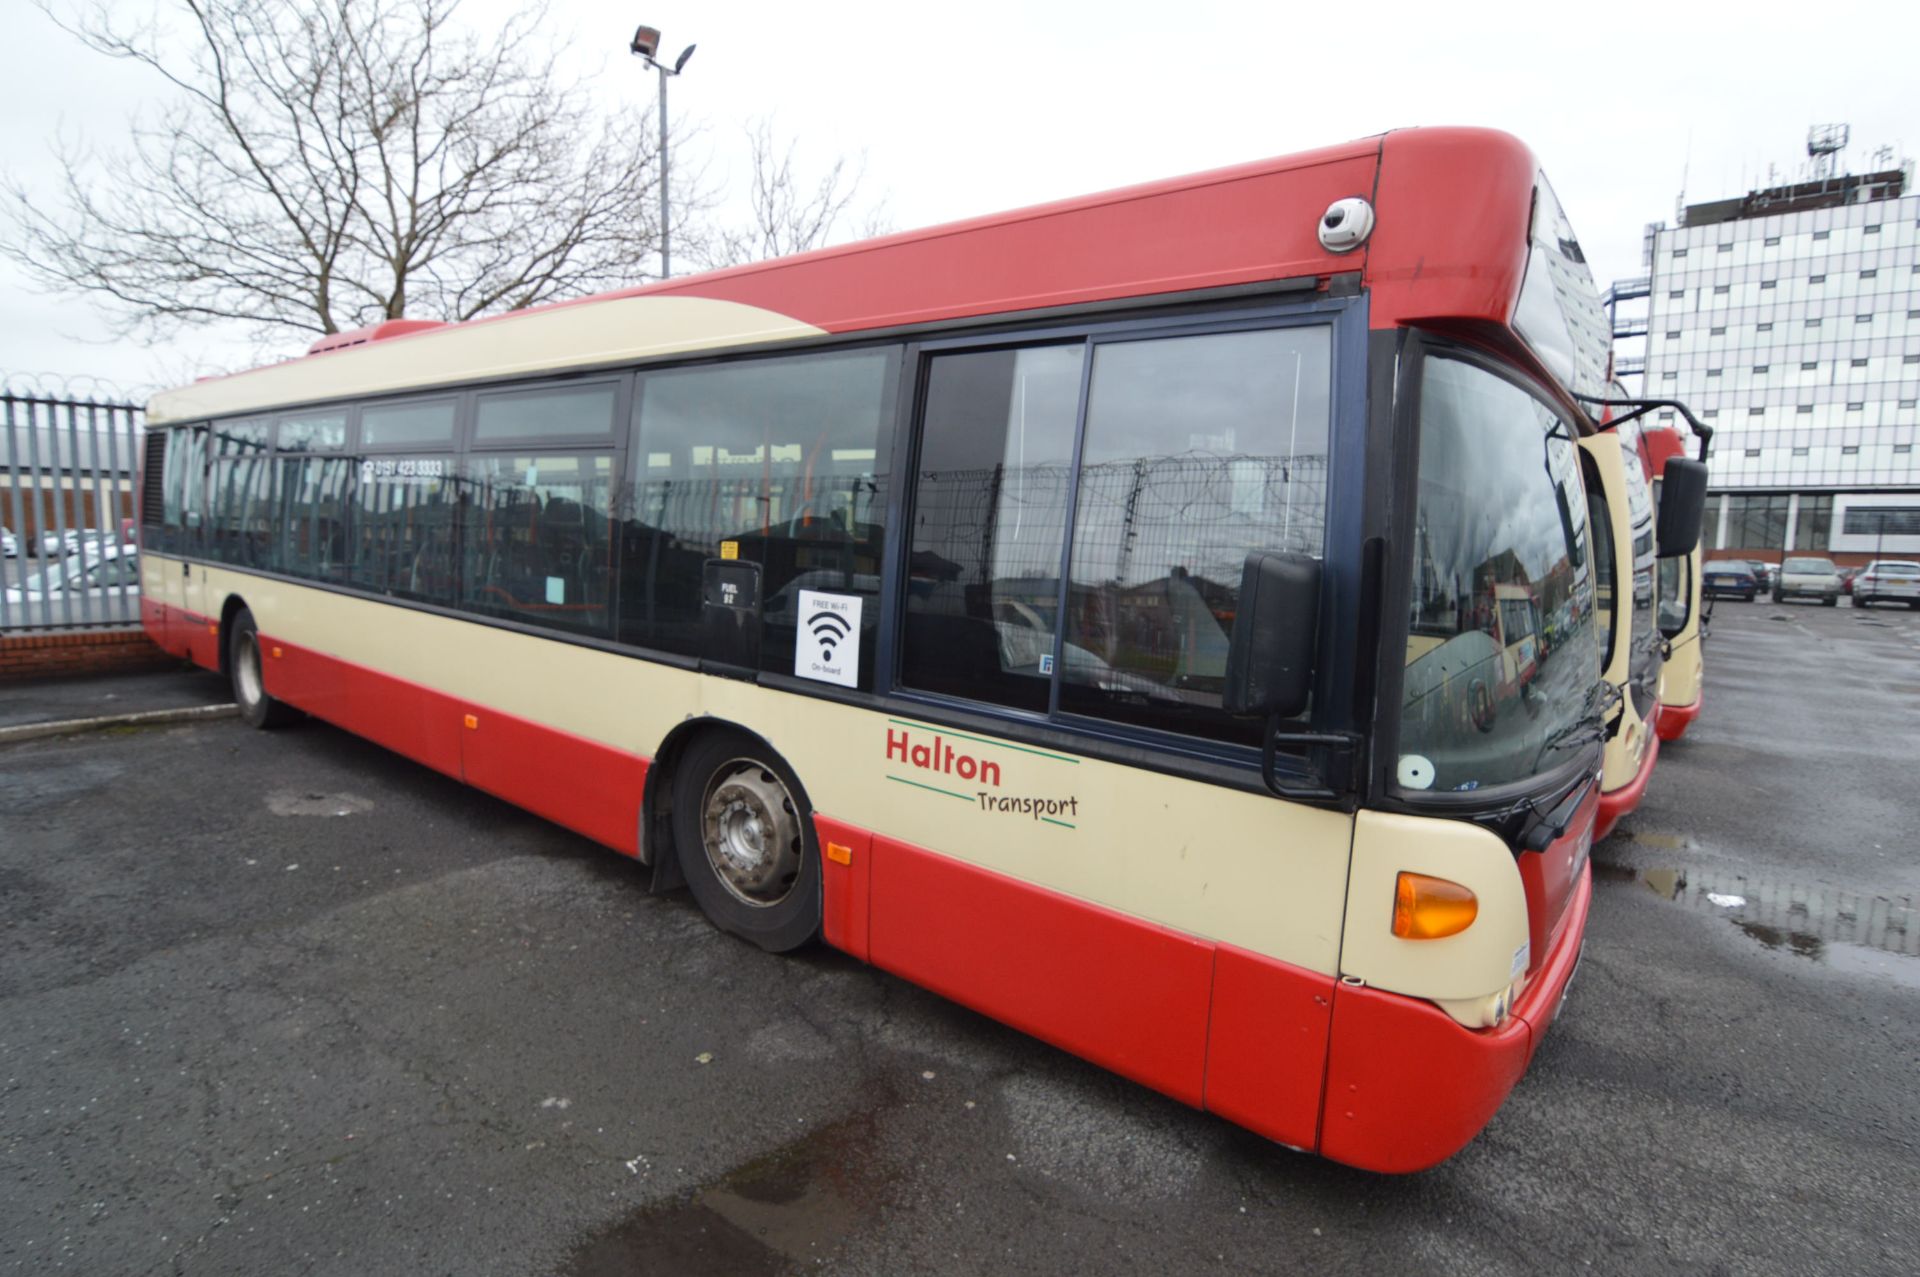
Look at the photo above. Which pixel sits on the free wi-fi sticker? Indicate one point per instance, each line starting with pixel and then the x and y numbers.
pixel 828 645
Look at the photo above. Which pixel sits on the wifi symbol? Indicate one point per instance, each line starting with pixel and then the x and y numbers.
pixel 829 630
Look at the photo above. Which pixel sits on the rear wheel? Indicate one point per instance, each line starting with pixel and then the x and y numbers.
pixel 1831 600
pixel 243 668
pixel 744 836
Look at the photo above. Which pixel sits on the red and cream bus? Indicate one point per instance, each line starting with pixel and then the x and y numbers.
pixel 1072 611
pixel 1683 673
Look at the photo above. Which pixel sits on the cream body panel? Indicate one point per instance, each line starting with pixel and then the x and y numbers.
pixel 556 338
pixel 1684 671
pixel 1628 744
pixel 1226 865
pixel 1482 961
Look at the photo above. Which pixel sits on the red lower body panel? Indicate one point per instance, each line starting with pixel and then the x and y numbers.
pixel 1675 719
pixel 1267 1045
pixel 846 854
pixel 590 788
pixel 1616 803
pixel 1407 1087
pixel 1126 994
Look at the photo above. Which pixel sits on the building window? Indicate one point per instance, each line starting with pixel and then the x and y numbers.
pixel 1821 234
pixel 1711 412
pixel 1755 412
pixel 1721 290
pixel 1766 284
pixel 1677 293
pixel 1856 406
pixel 1908 403
pixel 1764 328
pixel 1761 368
pixel 1900 449
pixel 1772 241
pixel 1868 274
pixel 1726 248
pixel 1758 522
pixel 1876 520
pixel 1800 452
pixel 1753 452
pixel 1816 279
pixel 1809 365
pixel 1717 332
pixel 1810 531
pixel 1859 363
pixel 1870 230
pixel 1805 408
pixel 1863 319
pixel 1713 372
pixel 1680 252
pixel 1910 359
pixel 1813 323
pixel 1667 376
pixel 1851 450
pixel 1673 334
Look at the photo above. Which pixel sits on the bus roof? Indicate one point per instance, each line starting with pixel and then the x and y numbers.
pixel 1454 234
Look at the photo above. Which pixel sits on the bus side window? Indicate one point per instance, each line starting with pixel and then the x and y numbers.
pixel 312 494
pixel 989 523
pixel 780 462
pixel 1198 450
pixel 537 537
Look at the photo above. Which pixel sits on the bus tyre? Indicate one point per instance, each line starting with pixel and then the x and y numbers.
pixel 744 835
pixel 257 708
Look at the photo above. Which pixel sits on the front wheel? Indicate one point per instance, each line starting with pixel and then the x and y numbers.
pixel 743 832
pixel 257 708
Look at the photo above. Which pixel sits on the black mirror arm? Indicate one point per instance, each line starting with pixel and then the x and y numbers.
pixel 1641 407
pixel 1342 749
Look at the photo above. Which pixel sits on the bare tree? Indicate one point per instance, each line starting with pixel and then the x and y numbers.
pixel 325 164
pixel 790 213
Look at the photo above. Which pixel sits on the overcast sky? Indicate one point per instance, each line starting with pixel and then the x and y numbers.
pixel 965 109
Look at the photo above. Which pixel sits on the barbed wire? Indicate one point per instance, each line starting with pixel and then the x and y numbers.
pixel 53 387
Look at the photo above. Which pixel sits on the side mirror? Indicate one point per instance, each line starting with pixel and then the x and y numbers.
pixel 1683 505
pixel 1270 656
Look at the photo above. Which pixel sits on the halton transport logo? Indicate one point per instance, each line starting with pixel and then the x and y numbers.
pixel 939 759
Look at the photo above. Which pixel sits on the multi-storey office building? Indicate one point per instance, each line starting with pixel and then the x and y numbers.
pixel 1789 319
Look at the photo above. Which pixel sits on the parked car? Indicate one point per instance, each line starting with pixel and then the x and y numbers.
pixel 1763 572
pixel 9 544
pixel 1888 581
pixel 1808 577
pixel 106 589
pixel 1846 579
pixel 57 545
pixel 1729 578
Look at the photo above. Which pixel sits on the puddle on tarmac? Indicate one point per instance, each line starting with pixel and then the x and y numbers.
pixel 1840 929
pixel 792 1208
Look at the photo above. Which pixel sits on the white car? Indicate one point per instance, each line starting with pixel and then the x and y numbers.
pixel 56 545
pixel 9 545
pixel 1888 581
pixel 1804 577
pixel 107 588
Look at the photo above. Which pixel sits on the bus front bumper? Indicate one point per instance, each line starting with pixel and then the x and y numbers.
pixel 1675 719
pixel 1408 1086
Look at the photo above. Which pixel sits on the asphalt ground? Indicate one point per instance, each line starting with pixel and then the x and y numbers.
pixel 285 1003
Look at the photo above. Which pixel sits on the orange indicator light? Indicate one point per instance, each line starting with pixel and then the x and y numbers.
pixel 839 855
pixel 1427 908
pixel 473 722
pixel 277 653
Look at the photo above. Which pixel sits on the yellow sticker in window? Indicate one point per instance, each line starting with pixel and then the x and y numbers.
pixel 729 549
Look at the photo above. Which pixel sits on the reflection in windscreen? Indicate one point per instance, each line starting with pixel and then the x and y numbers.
pixel 1502 655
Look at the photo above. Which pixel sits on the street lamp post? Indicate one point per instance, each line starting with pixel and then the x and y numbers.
pixel 646 43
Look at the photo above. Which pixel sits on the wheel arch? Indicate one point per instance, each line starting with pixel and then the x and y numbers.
pixel 233 606
pixel 656 803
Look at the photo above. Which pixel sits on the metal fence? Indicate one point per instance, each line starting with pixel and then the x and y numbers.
pixel 68 472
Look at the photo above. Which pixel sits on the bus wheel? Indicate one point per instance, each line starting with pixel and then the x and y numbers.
pixel 243 665
pixel 744 836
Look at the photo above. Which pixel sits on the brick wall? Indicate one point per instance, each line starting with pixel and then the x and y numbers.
pixel 53 653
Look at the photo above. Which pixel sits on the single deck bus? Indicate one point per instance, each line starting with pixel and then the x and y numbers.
pixel 1072 611
pixel 1683 673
